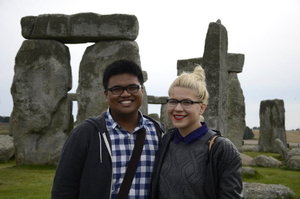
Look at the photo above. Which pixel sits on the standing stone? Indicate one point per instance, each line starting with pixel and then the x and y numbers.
pixel 42 113
pixel 214 64
pixel 248 134
pixel 236 111
pixel 226 107
pixel 90 91
pixel 272 125
pixel 164 118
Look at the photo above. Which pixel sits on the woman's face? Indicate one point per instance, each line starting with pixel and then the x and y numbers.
pixel 185 119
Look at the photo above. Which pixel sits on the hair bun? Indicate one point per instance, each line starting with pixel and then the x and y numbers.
pixel 199 73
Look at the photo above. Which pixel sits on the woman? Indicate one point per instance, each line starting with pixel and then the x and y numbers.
pixel 182 168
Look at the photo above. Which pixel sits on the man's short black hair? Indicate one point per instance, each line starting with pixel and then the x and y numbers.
pixel 122 67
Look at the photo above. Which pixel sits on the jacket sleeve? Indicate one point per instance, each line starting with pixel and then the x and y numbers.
pixel 229 169
pixel 66 182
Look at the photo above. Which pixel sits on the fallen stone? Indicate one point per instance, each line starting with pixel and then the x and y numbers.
pixel 294 152
pixel 246 160
pixel 7 150
pixel 267 191
pixel 248 170
pixel 265 161
pixel 294 163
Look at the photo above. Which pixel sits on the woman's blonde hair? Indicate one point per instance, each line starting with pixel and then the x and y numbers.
pixel 195 81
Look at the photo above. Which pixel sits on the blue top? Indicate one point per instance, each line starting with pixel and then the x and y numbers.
pixel 193 136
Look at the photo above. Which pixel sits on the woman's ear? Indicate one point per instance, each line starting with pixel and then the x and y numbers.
pixel 202 108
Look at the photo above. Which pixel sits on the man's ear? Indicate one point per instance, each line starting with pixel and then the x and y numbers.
pixel 106 94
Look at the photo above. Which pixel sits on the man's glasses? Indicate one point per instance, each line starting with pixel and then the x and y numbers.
pixel 118 90
pixel 184 103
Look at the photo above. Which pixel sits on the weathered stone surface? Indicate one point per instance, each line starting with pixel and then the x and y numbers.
pixel 246 160
pixel 72 96
pixel 154 116
pixel 253 148
pixel 164 116
pixel 188 65
pixel 294 162
pixel 42 113
pixel 281 148
pixel 80 28
pixel 265 161
pixel 157 100
pixel 267 191
pixel 272 124
pixel 214 64
pixel 236 111
pixel 294 152
pixel 224 88
pixel 235 62
pixel 7 150
pixel 90 91
pixel 248 134
pixel 248 170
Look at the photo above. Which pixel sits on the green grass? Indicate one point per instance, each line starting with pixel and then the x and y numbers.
pixel 35 182
pixel 32 182
pixel 281 175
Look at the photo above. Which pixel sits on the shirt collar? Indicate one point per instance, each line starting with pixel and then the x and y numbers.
pixel 112 124
pixel 193 136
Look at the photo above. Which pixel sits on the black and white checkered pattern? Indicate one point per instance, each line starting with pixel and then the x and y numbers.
pixel 122 146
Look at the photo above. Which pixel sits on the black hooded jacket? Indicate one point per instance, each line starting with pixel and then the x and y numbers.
pixel 85 166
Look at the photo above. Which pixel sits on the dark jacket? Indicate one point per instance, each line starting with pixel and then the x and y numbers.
pixel 85 167
pixel 225 179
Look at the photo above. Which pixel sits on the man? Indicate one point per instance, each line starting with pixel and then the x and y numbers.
pixel 95 156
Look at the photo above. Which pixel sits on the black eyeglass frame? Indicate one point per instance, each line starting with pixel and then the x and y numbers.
pixel 185 100
pixel 138 87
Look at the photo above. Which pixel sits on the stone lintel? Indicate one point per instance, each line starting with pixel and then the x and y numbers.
pixel 156 100
pixel 235 62
pixel 188 65
pixel 81 27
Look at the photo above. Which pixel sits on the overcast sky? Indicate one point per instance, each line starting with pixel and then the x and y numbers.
pixel 267 32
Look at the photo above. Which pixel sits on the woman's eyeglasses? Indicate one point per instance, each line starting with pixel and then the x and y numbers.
pixel 184 103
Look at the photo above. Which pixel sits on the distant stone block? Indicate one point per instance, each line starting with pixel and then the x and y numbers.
pixel 188 65
pixel 80 28
pixel 272 125
pixel 235 62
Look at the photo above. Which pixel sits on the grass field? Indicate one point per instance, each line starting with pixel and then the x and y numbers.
pixel 4 128
pixel 291 136
pixel 35 182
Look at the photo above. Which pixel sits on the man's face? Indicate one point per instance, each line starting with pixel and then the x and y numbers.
pixel 125 104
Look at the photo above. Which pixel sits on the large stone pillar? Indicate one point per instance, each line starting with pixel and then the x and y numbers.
pixel 226 107
pixel 272 125
pixel 214 64
pixel 90 91
pixel 42 113
pixel 236 111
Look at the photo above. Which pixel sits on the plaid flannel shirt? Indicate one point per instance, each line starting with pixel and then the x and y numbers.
pixel 122 143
